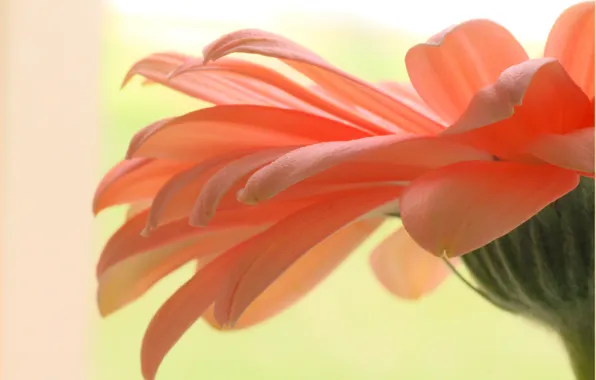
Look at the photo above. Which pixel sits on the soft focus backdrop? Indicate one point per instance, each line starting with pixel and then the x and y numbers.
pixel 350 328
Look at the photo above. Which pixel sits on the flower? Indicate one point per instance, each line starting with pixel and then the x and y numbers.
pixel 281 182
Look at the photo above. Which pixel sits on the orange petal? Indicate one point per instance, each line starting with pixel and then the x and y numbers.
pixel 260 260
pixel 318 158
pixel 285 91
pixel 342 85
pixel 221 182
pixel 220 130
pixel 136 208
pixel 462 207
pixel 571 41
pixel 134 180
pixel 574 150
pixel 173 197
pixel 187 190
pixel 215 280
pixel 530 100
pixel 452 66
pixel 405 93
pixel 128 280
pixel 127 241
pixel 405 269
pixel 306 273
pixel 303 163
pixel 157 68
pixel 179 313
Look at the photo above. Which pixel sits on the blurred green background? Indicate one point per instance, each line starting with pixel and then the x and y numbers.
pixel 350 328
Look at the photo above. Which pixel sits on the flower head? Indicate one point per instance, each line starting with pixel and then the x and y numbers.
pixel 280 182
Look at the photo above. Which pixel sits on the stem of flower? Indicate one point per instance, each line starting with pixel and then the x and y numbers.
pixel 579 342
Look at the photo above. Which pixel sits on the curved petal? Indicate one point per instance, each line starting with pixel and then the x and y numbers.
pixel 127 241
pixel 212 84
pixel 174 196
pixel 221 182
pixel 405 269
pixel 263 259
pixel 305 98
pixel 571 41
pixel 134 180
pixel 455 64
pixel 574 150
pixel 462 207
pixel 530 100
pixel 303 163
pixel 406 93
pixel 136 208
pixel 348 88
pixel 306 162
pixel 157 68
pixel 219 130
pixel 225 278
pixel 179 313
pixel 306 273
pixel 128 280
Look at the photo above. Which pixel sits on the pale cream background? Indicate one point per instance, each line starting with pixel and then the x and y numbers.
pixel 49 150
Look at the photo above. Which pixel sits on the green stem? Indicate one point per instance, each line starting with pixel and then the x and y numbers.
pixel 579 342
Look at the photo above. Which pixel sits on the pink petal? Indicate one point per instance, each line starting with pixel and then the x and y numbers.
pixel 574 150
pixel 173 197
pixel 303 163
pixel 157 67
pixel 462 207
pixel 221 130
pixel 127 241
pixel 530 100
pixel 405 93
pixel 128 280
pixel 306 162
pixel 349 89
pixel 285 91
pixel 134 180
pixel 221 182
pixel 233 271
pixel 263 259
pixel 136 208
pixel 571 41
pixel 304 275
pixel 405 269
pixel 179 313
pixel 214 84
pixel 451 67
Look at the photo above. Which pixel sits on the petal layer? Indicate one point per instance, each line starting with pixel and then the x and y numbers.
pixel 230 280
pixel 127 241
pixel 220 130
pixel 401 151
pixel 261 260
pixel 452 66
pixel 306 273
pixel 574 150
pixel 406 269
pixel 305 98
pixel 530 100
pixel 134 180
pixel 344 86
pixel 571 41
pixel 462 207
pixel 125 282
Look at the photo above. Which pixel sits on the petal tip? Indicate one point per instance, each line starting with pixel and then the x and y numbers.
pixel 200 219
pixel 248 198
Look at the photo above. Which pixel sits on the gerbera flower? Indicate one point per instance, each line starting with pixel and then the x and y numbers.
pixel 280 182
